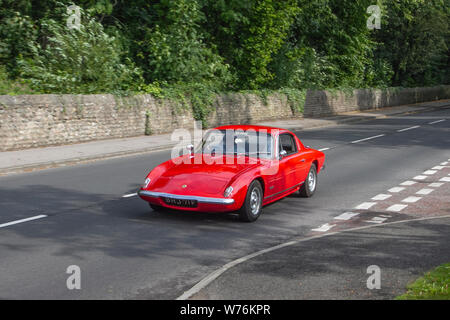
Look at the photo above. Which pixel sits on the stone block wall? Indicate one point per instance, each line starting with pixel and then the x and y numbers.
pixel 30 121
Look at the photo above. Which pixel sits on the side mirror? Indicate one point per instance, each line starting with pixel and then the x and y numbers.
pixel 283 154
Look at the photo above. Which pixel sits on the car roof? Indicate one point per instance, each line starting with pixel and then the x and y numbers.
pixel 252 127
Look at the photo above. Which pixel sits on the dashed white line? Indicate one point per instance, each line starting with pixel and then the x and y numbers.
pixel 129 195
pixel 323 228
pixel 370 138
pixel 22 220
pixel 437 121
pixel 411 199
pixel 324 149
pixel 382 196
pixel 396 189
pixel 420 177
pixel 425 191
pixel 429 172
pixel 346 216
pixel 376 220
pixel 365 205
pixel 397 207
pixel 436 184
pixel 410 128
pixel 408 183
pixel 438 168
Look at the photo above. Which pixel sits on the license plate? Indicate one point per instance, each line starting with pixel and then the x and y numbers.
pixel 181 202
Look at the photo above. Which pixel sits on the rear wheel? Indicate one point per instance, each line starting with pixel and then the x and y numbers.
pixel 309 186
pixel 252 207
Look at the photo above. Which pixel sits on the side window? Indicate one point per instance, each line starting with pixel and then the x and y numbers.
pixel 287 143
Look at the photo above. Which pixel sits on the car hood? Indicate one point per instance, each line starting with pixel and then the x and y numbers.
pixel 200 179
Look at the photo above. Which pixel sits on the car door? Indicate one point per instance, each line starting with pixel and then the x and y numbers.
pixel 302 163
pixel 290 166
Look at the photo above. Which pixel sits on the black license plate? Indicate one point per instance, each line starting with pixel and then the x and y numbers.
pixel 181 202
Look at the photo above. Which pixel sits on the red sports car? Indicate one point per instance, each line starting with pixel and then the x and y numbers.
pixel 235 168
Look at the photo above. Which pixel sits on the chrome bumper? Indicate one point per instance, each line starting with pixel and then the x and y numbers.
pixel 181 197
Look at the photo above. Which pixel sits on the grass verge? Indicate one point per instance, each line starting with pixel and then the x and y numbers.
pixel 434 285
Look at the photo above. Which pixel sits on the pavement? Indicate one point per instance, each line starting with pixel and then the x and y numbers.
pixel 87 214
pixel 49 157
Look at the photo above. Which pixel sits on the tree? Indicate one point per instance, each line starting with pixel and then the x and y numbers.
pixel 413 40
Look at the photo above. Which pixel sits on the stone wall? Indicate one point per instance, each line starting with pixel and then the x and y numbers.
pixel 29 121
pixel 325 103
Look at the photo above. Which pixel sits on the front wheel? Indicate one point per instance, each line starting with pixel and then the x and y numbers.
pixel 309 186
pixel 252 207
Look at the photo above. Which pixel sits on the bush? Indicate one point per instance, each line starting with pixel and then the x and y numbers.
pixel 12 87
pixel 176 51
pixel 78 61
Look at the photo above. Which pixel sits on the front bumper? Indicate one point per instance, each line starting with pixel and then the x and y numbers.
pixel 225 201
pixel 204 204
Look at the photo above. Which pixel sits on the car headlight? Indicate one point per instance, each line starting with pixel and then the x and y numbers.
pixel 228 192
pixel 146 183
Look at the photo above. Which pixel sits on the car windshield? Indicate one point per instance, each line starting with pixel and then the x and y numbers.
pixel 250 143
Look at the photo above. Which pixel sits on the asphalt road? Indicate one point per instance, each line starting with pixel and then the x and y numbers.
pixel 127 251
pixel 335 267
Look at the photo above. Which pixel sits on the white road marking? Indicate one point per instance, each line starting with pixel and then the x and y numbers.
pixel 376 220
pixel 410 128
pixel 420 177
pixel 346 216
pixel 397 207
pixel 365 205
pixel 438 168
pixel 396 189
pixel 445 179
pixel 408 183
pixel 22 220
pixel 323 228
pixel 425 191
pixel 324 149
pixel 436 184
pixel 218 272
pixel 444 163
pixel 129 195
pixel 437 121
pixel 382 196
pixel 429 172
pixel 370 138
pixel 411 199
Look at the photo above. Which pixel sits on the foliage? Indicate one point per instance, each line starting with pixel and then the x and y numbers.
pixel 328 46
pixel 17 34
pixel 413 42
pixel 11 87
pixel 175 48
pixel 78 61
pixel 189 50
pixel 434 285
pixel 252 31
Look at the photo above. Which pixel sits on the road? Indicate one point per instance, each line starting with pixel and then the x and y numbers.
pixel 127 251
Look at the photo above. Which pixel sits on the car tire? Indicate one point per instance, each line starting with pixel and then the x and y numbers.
pixel 310 185
pixel 252 207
